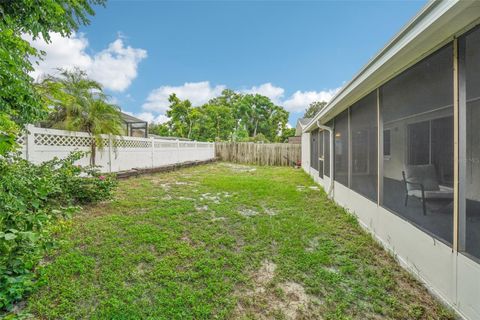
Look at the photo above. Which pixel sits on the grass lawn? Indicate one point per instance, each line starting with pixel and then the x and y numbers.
pixel 224 241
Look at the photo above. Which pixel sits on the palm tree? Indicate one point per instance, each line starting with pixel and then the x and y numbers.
pixel 79 104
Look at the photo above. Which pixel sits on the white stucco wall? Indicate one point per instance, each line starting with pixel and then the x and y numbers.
pixel 306 152
pixel 451 276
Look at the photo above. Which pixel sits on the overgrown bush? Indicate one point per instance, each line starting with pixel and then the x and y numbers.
pixel 32 199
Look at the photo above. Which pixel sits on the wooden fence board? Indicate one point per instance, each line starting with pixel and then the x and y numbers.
pixel 270 154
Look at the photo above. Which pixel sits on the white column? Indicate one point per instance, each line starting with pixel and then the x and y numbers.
pixel 30 142
pixel 110 153
pixel 178 151
pixel 152 139
pixel 195 157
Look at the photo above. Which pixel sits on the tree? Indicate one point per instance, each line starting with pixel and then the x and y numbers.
pixel 260 115
pixel 160 129
pixel 216 123
pixel 79 104
pixel 287 133
pixel 20 103
pixel 314 108
pixel 182 116
pixel 231 116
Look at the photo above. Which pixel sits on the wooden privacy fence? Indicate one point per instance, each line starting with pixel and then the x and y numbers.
pixel 271 154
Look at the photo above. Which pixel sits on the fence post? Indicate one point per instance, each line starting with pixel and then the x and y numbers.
pixel 178 151
pixel 110 153
pixel 153 151
pixel 29 142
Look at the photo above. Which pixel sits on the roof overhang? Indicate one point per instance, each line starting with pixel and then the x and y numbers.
pixel 438 23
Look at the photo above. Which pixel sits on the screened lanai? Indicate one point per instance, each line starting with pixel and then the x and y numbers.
pixel 412 116
pixel 135 127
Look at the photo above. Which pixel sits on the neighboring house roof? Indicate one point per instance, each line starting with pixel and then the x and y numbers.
pixel 304 121
pixel 131 119
pixel 433 27
pixel 301 123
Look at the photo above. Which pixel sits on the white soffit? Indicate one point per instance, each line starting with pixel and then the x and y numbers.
pixel 434 26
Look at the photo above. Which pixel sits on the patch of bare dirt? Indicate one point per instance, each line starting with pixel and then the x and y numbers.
pixel 269 211
pixel 215 197
pixel 312 244
pixel 219 219
pixel 239 167
pixel 304 188
pixel 247 212
pixel 265 274
pixel 186 239
pixel 186 198
pixel 201 208
pixel 267 300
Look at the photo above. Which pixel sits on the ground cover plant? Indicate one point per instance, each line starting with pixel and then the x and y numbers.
pixel 223 241
pixel 34 200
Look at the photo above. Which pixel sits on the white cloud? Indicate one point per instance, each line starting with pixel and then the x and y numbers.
pixel 268 90
pixel 300 100
pixel 297 102
pixel 114 67
pixel 197 92
pixel 149 117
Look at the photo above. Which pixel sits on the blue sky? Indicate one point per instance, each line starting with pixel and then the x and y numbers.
pixel 293 52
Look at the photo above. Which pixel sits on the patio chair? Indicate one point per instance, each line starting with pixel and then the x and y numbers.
pixel 421 182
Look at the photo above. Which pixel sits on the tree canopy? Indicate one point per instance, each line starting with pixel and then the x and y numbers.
pixel 231 116
pixel 20 103
pixel 314 108
pixel 79 104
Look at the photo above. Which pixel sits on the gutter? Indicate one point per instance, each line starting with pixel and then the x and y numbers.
pixel 330 130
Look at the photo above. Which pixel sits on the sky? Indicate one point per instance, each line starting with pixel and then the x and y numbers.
pixel 294 52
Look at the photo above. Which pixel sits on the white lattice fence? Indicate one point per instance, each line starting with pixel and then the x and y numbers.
pixel 115 153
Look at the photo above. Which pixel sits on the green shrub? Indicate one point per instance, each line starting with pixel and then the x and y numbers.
pixel 32 199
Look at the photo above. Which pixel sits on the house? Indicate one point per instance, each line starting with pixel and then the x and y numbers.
pixel 134 127
pixel 301 123
pixel 297 138
pixel 399 146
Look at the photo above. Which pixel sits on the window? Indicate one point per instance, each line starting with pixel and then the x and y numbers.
pixel 363 130
pixel 326 153
pixel 341 148
pixel 386 143
pixel 417 108
pixel 469 179
pixel 314 149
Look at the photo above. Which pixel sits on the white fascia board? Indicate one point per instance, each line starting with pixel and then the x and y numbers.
pixel 432 27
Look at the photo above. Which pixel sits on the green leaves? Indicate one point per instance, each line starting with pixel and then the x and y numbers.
pixel 33 198
pixel 231 116
pixel 8 236
pixel 79 104
pixel 314 108
pixel 20 103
